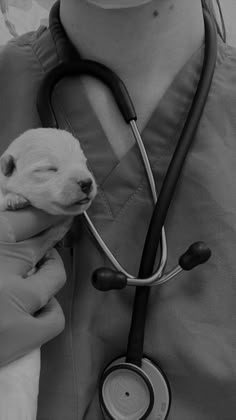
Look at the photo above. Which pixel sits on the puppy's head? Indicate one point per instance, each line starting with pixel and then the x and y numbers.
pixel 48 168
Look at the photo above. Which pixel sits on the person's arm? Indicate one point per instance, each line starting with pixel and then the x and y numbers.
pixel 22 328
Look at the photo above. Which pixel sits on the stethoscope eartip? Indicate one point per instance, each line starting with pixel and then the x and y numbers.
pixel 197 253
pixel 105 279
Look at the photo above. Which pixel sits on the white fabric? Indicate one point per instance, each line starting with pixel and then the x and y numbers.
pixel 22 20
pixel 19 384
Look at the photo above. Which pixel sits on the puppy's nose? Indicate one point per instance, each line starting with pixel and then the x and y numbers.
pixel 86 185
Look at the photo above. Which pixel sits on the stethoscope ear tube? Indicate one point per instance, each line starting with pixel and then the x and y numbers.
pixel 105 278
pixel 76 69
pixel 136 335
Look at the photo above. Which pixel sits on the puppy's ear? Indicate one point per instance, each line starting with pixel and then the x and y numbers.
pixel 7 164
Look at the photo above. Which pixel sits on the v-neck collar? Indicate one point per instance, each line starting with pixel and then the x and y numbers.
pixel 167 119
pixel 160 134
pixel 169 116
pixel 163 128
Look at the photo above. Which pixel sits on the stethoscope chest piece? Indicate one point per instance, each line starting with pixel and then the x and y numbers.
pixel 133 393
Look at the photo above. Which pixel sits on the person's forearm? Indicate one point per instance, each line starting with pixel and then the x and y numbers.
pixel 19 380
pixel 13 231
pixel 19 384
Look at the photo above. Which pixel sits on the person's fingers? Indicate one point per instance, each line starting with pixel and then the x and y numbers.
pixel 41 286
pixel 25 223
pixel 32 293
pixel 6 230
pixel 50 321
pixel 31 332
pixel 47 324
pixel 23 256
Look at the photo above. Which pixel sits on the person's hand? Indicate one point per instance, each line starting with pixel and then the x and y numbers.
pixel 29 314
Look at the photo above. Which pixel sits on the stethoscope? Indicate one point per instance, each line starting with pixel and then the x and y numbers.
pixel 132 387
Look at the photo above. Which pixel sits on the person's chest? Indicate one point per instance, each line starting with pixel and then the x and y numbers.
pixel 145 94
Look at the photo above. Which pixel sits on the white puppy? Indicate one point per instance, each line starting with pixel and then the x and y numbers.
pixel 44 168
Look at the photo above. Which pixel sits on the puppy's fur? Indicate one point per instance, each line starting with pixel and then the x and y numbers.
pixel 47 169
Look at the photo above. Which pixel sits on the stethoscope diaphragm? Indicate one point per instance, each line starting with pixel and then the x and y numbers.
pixel 133 393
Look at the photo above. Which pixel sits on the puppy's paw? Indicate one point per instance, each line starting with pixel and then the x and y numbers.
pixel 15 201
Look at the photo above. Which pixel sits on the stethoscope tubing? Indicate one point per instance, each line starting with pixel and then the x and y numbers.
pixel 125 105
pixel 136 335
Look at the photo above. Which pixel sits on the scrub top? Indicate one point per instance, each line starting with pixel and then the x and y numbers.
pixel 190 328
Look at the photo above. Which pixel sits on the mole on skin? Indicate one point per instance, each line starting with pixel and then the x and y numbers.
pixel 156 13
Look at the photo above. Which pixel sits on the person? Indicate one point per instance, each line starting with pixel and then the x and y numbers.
pixel 156 47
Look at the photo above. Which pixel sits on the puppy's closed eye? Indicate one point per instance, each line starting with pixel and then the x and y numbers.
pixel 46 169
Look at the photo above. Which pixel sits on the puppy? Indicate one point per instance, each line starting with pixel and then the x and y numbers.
pixel 46 169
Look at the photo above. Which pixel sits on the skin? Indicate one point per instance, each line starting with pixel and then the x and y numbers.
pixel 162 33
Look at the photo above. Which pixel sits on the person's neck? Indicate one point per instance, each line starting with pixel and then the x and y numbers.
pixel 135 42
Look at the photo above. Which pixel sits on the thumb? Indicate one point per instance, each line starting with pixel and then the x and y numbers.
pixel 21 257
pixel 50 321
pixel 16 226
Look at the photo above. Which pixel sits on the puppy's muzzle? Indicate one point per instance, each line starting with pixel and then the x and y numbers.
pixel 86 186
